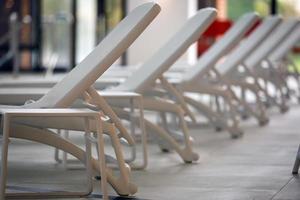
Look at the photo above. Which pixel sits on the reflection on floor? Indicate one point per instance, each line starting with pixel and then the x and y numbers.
pixel 257 166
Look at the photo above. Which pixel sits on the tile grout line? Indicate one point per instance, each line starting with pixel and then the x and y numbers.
pixel 282 187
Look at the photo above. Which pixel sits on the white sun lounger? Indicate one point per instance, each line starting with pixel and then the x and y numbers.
pixel 145 77
pixel 253 63
pixel 78 83
pixel 278 61
pixel 221 84
pixel 143 81
pixel 206 61
pixel 192 79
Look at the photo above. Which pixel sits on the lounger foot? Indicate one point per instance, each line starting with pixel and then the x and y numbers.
pixel 189 156
pixel 243 113
pixel 165 147
pixel 284 109
pixel 288 96
pixel 297 162
pixel 263 122
pixel 218 129
pixel 237 135
pixel 235 131
pixel 126 189
pixel 165 150
pixel 244 117
pixel 267 104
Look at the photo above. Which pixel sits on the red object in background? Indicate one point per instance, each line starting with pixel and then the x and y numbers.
pixel 296 49
pixel 215 30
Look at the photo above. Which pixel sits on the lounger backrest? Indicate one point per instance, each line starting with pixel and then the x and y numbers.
pixel 272 42
pixel 64 93
pixel 286 45
pixel 221 47
pixel 161 61
pixel 237 55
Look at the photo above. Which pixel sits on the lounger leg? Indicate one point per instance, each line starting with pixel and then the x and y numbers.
pixel 64 161
pixel 88 150
pixel 184 153
pixel 283 106
pixel 270 99
pixel 102 162
pixel 123 114
pixel 124 168
pixel 297 162
pixel 64 154
pixel 235 131
pixel 296 74
pixel 105 107
pixel 261 116
pixel 278 79
pixel 255 89
pixel 4 153
pixel 280 87
pixel 218 106
pixel 220 111
pixel 133 132
pixel 51 139
pixel 243 96
pixel 161 105
pixel 164 145
pixel 297 78
pixel 233 110
pixel 140 106
pixel 265 90
pixel 56 151
pixel 279 82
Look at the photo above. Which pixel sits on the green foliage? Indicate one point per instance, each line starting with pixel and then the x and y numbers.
pixel 236 8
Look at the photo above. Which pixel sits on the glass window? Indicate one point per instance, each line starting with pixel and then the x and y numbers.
pixel 86 28
pixel 57 21
pixel 289 8
pixel 26 17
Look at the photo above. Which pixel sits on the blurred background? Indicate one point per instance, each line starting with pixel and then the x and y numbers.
pixel 60 33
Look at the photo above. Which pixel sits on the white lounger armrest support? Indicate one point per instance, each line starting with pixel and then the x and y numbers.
pixel 178 96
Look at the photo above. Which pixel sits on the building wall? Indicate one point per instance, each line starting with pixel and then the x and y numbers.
pixel 172 16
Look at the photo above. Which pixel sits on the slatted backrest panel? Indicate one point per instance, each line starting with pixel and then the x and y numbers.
pixel 221 47
pixel 64 93
pixel 286 45
pixel 237 56
pixel 270 43
pixel 161 61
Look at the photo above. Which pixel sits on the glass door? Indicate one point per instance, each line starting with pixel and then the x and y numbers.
pixel 57 34
pixel 26 26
